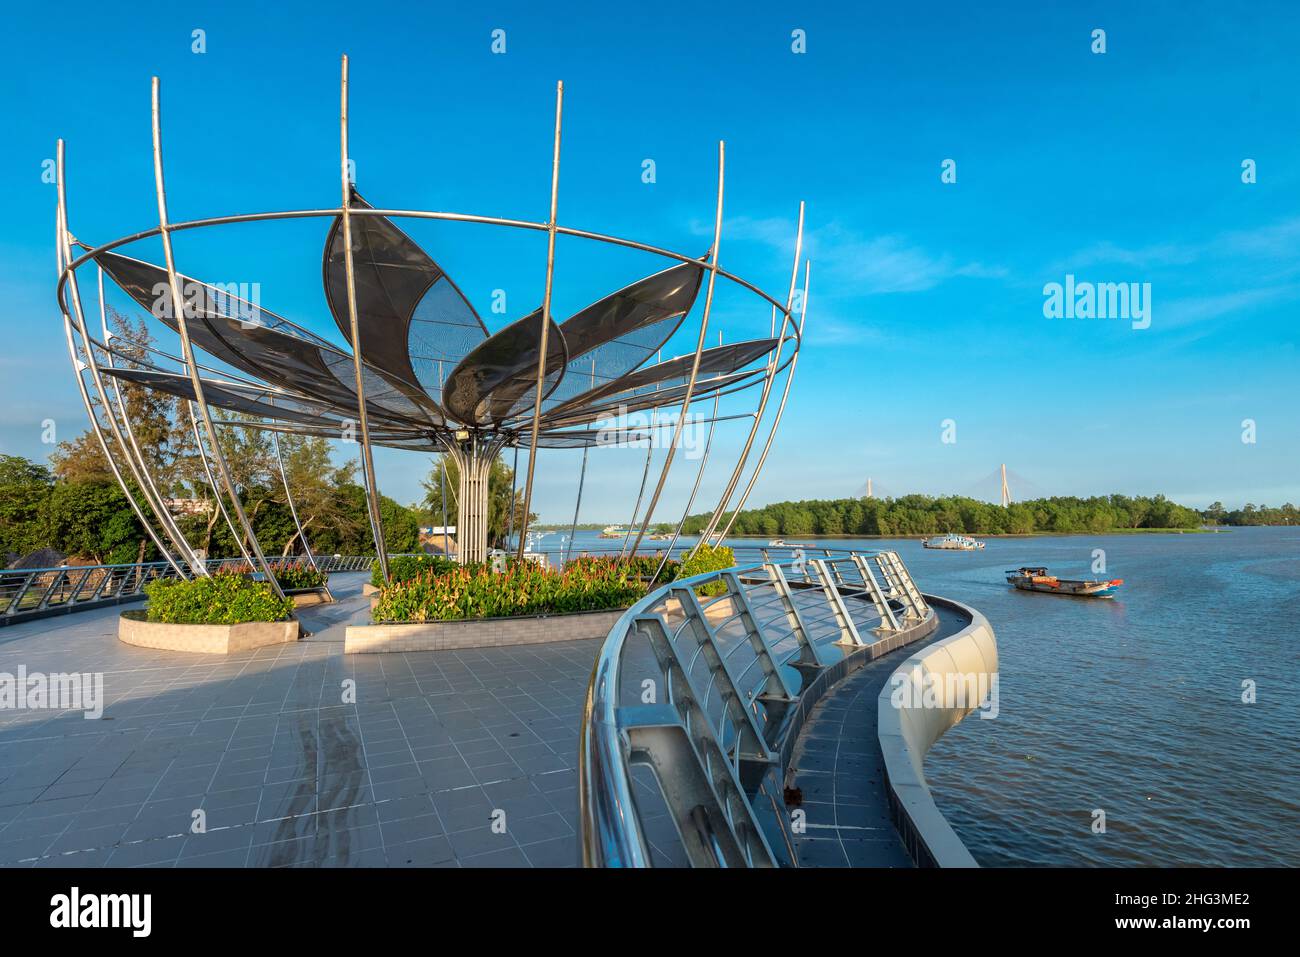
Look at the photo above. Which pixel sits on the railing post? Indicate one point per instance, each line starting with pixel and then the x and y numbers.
pixel 776 689
pixel 16 602
pixel 750 743
pixel 887 620
pixel 697 777
pixel 848 630
pixel 808 654
pixel 906 586
pixel 59 575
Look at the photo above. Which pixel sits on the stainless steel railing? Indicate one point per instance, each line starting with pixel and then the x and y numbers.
pixel 34 592
pixel 700 690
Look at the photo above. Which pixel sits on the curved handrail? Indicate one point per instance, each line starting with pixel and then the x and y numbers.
pixel 737 671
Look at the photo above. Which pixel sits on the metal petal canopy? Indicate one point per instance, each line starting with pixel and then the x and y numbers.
pixel 418 369
pixel 431 370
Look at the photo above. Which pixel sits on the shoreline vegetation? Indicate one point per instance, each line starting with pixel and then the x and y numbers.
pixel 923 515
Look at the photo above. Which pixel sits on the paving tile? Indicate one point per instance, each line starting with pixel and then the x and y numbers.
pixel 286 773
pixel 508 857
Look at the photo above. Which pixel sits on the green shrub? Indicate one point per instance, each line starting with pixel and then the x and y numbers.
pixel 222 599
pixel 403 568
pixel 295 576
pixel 707 558
pixel 291 576
pixel 524 588
pixel 638 566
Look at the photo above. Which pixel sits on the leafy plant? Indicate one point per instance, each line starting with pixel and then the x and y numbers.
pixel 524 588
pixel 222 599
pixel 707 558
pixel 638 566
pixel 403 568
pixel 290 576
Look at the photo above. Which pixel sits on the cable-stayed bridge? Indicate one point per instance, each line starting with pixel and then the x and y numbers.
pixel 1002 485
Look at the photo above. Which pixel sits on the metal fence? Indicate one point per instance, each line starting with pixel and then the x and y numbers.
pixel 27 593
pixel 700 691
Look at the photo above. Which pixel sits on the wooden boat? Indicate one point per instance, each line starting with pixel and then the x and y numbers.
pixel 950 542
pixel 1037 579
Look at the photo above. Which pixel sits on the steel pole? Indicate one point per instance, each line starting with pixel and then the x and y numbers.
pixel 187 349
pixel 157 507
pixel 699 349
pixel 372 489
pixel 780 409
pixel 546 318
pixel 773 365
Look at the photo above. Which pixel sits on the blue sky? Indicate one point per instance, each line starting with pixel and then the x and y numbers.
pixel 927 298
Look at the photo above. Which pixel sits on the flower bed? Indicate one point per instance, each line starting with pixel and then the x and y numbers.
pixel 639 566
pixel 222 599
pixel 403 568
pixel 215 614
pixel 290 576
pixel 524 588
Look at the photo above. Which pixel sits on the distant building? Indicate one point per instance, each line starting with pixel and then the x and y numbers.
pixel 438 540
pixel 188 506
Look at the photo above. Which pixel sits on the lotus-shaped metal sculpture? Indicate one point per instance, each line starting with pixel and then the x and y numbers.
pixel 419 370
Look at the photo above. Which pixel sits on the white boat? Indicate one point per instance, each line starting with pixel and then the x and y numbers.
pixel 951 542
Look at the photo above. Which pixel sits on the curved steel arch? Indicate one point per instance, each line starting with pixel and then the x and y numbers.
pixel 159 509
pixel 187 350
pixel 767 388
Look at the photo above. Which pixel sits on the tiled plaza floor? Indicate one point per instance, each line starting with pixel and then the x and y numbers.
pixel 413 771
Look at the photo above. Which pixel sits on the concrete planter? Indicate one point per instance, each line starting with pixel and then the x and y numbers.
pixel 369 590
pixel 204 639
pixel 310 596
pixel 479 633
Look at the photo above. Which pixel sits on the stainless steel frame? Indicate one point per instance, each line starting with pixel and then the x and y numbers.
pixel 699 348
pixel 481 445
pixel 707 534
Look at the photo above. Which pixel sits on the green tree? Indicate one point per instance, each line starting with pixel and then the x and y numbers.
pixel 93 520
pixel 24 489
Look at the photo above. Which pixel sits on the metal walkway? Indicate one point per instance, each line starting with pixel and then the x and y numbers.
pixel 837 769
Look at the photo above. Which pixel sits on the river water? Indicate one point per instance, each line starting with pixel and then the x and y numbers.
pixel 1130 706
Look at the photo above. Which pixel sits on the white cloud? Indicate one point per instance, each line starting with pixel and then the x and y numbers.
pixel 873 264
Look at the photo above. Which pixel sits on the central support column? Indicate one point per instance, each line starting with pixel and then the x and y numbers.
pixel 475 465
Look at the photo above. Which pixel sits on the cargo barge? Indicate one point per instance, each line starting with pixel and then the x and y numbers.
pixel 1037 579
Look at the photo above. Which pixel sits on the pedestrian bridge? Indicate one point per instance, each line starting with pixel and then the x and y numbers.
pixel 762 740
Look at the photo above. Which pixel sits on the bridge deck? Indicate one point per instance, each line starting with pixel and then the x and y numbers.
pixel 288 773
pixel 838 768
pixel 285 771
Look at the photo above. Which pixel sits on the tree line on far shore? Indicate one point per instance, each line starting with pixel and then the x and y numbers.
pixel 931 515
